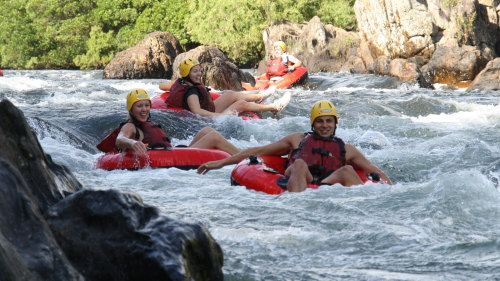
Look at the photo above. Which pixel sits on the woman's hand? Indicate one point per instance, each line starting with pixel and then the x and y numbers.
pixel 204 168
pixel 138 146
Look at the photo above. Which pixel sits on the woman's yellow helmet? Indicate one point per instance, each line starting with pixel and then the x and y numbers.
pixel 280 44
pixel 136 95
pixel 186 65
pixel 323 108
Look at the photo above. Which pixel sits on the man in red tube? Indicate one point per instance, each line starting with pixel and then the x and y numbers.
pixel 317 157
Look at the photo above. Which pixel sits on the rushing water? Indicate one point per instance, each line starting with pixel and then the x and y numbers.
pixel 439 221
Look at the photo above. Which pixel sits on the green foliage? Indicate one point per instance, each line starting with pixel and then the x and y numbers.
pixel 449 3
pixel 465 25
pixel 88 33
pixel 342 16
pixel 234 26
pixel 100 50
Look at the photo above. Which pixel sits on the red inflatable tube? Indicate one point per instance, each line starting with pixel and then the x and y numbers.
pixel 158 102
pixel 182 158
pixel 263 174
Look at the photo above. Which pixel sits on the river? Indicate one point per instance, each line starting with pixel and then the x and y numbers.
pixel 439 221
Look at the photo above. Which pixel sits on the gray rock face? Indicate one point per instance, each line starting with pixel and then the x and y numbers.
pixel 452 64
pixel 395 28
pixel 405 28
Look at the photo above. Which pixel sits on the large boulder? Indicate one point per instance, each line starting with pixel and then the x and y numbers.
pixel 108 235
pixel 20 147
pixel 217 71
pixel 453 65
pixel 488 78
pixel 28 249
pixel 151 58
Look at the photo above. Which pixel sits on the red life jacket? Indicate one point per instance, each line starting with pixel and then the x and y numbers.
pixel 322 155
pixel 177 99
pixel 276 67
pixel 154 136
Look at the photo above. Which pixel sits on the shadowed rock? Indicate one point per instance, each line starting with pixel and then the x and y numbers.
pixel 28 250
pixel 488 78
pixel 49 182
pixel 110 234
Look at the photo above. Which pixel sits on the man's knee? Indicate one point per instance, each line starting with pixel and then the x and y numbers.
pixel 298 166
pixel 347 169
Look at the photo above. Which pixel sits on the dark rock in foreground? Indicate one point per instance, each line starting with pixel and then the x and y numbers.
pixel 28 249
pixel 131 241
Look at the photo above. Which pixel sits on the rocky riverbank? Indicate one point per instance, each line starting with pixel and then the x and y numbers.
pixel 450 42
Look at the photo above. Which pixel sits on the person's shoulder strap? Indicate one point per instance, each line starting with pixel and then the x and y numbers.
pixel 342 145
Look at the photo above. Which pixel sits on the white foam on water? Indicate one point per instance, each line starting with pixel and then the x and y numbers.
pixel 471 115
pixel 19 83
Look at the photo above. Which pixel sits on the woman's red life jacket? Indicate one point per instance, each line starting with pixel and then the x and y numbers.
pixel 177 99
pixel 276 67
pixel 322 155
pixel 153 136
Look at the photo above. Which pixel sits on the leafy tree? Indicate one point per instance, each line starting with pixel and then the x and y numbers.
pixel 234 26
pixel 100 50
pixel 88 33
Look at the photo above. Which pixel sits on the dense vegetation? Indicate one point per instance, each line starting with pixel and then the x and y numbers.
pixel 87 34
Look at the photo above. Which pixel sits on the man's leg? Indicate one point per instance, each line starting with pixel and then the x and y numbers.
pixel 298 176
pixel 346 176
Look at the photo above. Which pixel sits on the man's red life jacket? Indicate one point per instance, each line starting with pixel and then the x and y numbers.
pixel 322 155
pixel 277 67
pixel 153 136
pixel 177 99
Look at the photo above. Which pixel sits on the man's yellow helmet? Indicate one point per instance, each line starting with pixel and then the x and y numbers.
pixel 280 44
pixel 323 108
pixel 186 65
pixel 136 95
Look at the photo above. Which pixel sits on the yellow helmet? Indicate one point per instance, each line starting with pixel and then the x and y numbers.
pixel 323 108
pixel 186 65
pixel 281 44
pixel 136 95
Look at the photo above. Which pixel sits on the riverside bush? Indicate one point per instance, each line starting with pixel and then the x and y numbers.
pixel 86 34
